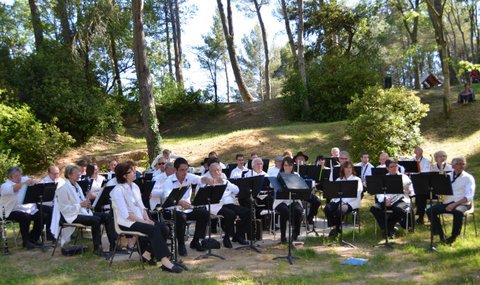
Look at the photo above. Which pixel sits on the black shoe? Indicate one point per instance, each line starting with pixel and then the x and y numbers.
pixel 99 252
pixel 420 221
pixel 294 237
pixel 241 241
pixel 37 243
pixel 29 245
pixel 197 245
pixel 227 243
pixel 450 240
pixel 181 264
pixel 310 221
pixel 182 251
pixel 283 239
pixel 150 261
pixel 175 269
pixel 333 233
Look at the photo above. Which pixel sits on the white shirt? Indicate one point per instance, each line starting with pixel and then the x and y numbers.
pixel 158 174
pixel 172 182
pixel 238 173
pixel 60 181
pixel 112 182
pixel 366 170
pixel 157 190
pixel 353 202
pixel 407 189
pixel 13 201
pixel 68 200
pixel 463 187
pixel 424 163
pixel 110 174
pixel 128 201
pixel 446 167
pixel 229 196
pixel 252 173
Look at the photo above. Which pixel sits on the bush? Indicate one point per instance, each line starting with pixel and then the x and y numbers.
pixel 25 140
pixel 7 160
pixel 385 120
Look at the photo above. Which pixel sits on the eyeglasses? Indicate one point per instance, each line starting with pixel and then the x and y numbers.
pixel 161 163
pixel 128 172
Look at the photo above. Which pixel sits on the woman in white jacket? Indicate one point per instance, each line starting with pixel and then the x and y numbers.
pixel 332 209
pixel 132 216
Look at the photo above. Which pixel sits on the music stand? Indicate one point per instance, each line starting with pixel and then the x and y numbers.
pixel 385 184
pixel 432 183
pixel 146 191
pixel 379 171
pixel 310 172
pixel 102 199
pixel 341 189
pixel 249 188
pixel 290 187
pixel 410 166
pixel 86 185
pixel 172 200
pixel 207 196
pixel 40 193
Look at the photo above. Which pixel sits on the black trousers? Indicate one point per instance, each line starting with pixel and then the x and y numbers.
pixel 157 236
pixel 24 221
pixel 314 205
pixel 434 212
pixel 199 215
pixel 398 211
pixel 332 212
pixel 284 211
pixel 95 222
pixel 230 213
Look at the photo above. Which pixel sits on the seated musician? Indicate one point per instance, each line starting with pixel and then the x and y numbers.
pixel 300 159
pixel 74 208
pixel 212 157
pixel 273 171
pixel 366 168
pixel 257 170
pixel 159 169
pixel 156 195
pixel 229 209
pixel 284 206
pixel 463 186
pixel 95 180
pixel 466 95
pixel 398 203
pixel 335 152
pixel 53 176
pixel 132 216
pixel 11 202
pixel 332 209
pixel 200 215
pixel 441 164
pixel 111 166
pixel 241 169
pixel 382 158
pixel 423 165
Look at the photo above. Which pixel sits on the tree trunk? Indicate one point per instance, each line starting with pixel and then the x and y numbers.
pixel 300 56
pixel 62 13
pixel 435 11
pixel 471 14
pixel 268 88
pixel 150 122
pixel 456 17
pixel 228 32
pixel 167 38
pixel 227 79
pixel 179 59
pixel 116 69
pixel 36 23
pixel 291 41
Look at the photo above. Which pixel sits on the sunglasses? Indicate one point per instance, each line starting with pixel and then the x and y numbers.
pixel 161 163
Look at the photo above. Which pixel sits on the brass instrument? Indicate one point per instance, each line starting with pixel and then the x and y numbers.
pixel 4 233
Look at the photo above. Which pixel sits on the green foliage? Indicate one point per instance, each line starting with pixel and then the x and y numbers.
pixel 464 67
pixel 331 84
pixel 26 141
pixel 385 120
pixel 7 160
pixel 56 87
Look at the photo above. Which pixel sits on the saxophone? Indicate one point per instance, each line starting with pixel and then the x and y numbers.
pixel 4 233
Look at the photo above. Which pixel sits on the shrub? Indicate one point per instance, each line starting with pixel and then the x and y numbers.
pixel 24 139
pixel 385 120
pixel 7 160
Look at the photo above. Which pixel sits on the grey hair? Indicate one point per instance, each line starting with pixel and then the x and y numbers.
pixel 439 153
pixel 12 170
pixel 215 164
pixel 69 170
pixel 344 152
pixel 169 165
pixel 256 159
pixel 458 158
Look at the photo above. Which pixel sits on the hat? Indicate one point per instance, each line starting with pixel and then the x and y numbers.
pixel 300 153
pixel 278 158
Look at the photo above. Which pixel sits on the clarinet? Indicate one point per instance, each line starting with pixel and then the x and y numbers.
pixel 4 233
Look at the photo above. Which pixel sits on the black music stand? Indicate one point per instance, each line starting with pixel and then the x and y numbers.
pixel 410 166
pixel 146 191
pixel 290 191
pixel 385 184
pixel 38 194
pixel 432 183
pixel 341 189
pixel 86 185
pixel 102 199
pixel 172 200
pixel 379 171
pixel 249 188
pixel 207 196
